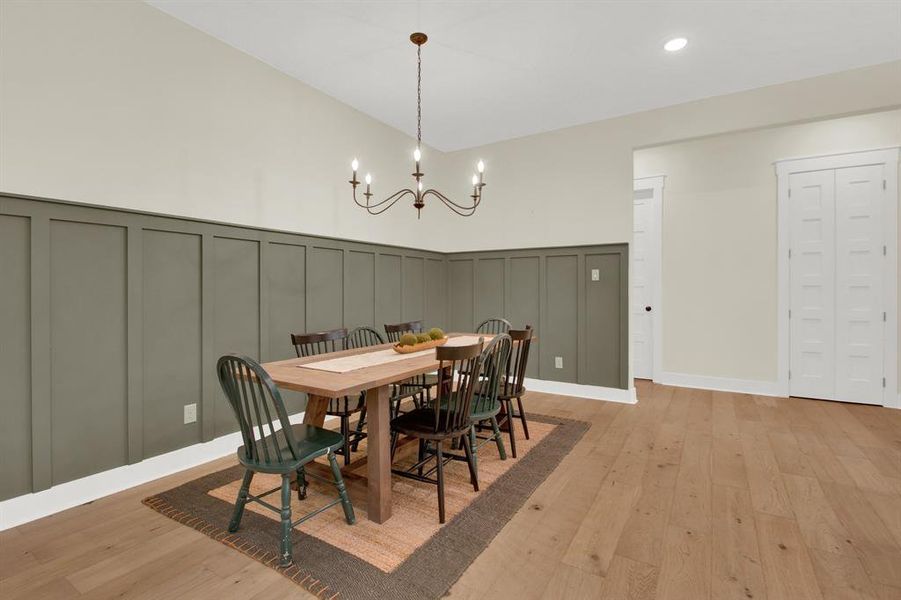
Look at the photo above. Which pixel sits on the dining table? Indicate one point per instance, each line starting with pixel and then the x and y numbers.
pixel 347 373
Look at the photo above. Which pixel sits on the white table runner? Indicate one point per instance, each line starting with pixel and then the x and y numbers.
pixel 344 364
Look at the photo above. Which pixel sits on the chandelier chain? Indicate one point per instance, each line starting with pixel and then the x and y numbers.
pixel 419 96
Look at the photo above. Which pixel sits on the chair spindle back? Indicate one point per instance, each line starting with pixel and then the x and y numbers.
pixel 398 329
pixel 458 378
pixel 512 383
pixel 494 325
pixel 494 362
pixel 257 405
pixel 311 344
pixel 363 337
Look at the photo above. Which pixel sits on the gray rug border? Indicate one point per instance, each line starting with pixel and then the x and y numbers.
pixel 429 572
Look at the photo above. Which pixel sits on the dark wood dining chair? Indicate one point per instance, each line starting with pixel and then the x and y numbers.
pixel 364 337
pixel 485 404
pixel 447 419
pixel 426 381
pixel 259 409
pixel 512 387
pixel 494 325
pixel 313 344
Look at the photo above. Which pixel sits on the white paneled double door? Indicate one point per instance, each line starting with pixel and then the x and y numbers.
pixel 837 272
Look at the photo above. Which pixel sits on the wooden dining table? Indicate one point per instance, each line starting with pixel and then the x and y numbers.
pixel 323 385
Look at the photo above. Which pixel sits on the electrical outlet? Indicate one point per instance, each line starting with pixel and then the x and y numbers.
pixel 558 362
pixel 595 274
pixel 190 413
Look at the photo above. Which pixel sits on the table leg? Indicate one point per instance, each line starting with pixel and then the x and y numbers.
pixel 378 454
pixel 315 412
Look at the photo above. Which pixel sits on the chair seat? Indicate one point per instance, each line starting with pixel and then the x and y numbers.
pixel 421 423
pixel 311 442
pixel 485 410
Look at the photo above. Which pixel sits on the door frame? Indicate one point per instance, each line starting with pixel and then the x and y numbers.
pixel 655 183
pixel 888 157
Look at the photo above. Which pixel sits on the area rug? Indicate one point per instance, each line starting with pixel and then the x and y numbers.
pixel 409 556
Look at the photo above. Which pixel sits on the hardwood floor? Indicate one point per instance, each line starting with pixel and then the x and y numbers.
pixel 689 494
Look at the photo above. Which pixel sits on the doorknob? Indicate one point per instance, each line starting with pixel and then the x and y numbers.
pixel 647 308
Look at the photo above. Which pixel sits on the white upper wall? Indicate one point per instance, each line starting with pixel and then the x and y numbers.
pixel 574 186
pixel 118 104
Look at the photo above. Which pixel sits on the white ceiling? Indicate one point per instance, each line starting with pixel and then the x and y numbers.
pixel 499 70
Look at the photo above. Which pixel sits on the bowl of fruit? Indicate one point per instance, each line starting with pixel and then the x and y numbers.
pixel 414 342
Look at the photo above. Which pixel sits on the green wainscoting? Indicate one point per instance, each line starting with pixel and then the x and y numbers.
pixel 584 321
pixel 112 320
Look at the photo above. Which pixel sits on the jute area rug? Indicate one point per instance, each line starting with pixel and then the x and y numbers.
pixel 411 555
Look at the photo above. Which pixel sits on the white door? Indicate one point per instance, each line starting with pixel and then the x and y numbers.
pixel 812 264
pixel 859 326
pixel 836 278
pixel 642 256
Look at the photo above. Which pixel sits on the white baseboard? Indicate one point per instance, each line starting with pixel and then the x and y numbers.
pixel 593 392
pixel 29 507
pixel 721 384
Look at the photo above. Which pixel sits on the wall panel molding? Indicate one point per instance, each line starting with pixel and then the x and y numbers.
pixel 231 289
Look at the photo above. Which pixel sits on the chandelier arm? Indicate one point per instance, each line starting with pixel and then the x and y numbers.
pixel 389 201
pixel 463 211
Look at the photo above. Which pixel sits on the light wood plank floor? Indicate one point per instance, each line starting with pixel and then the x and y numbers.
pixel 688 494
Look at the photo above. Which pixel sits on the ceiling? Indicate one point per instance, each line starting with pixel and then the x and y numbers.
pixel 504 69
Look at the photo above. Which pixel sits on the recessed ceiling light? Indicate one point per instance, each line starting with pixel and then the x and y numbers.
pixel 675 44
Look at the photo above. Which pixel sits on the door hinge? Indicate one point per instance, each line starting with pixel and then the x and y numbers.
pixel 789 313
pixel 885 184
pixel 884 317
pixel 883 382
pixel 789 373
pixel 789 252
pixel 789 192
pixel 884 250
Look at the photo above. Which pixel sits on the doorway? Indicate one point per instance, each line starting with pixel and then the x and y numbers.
pixel 645 258
pixel 838 222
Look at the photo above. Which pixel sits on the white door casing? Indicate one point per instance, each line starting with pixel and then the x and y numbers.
pixel 645 296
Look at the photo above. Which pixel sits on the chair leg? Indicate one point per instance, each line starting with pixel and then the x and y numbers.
pixel 342 490
pixel 287 558
pixel 470 461
pixel 421 455
pixel 359 430
pixel 499 439
pixel 440 457
pixel 301 484
pixel 240 502
pixel 345 431
pixel 473 443
pixel 510 428
pixel 522 416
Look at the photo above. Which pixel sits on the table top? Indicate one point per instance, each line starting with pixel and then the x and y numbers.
pixel 289 374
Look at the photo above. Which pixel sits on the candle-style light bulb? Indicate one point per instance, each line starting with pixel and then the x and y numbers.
pixel 475 180
pixel 417 155
pixel 354 164
pixel 481 167
pixel 368 178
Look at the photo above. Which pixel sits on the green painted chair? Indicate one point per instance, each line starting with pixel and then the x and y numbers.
pixel 494 325
pixel 485 403
pixel 512 385
pixel 285 450
pixel 313 344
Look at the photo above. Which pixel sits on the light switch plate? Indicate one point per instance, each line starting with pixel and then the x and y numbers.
pixel 558 362
pixel 595 274
pixel 190 413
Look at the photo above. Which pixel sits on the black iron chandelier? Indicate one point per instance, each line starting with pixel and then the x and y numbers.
pixel 418 194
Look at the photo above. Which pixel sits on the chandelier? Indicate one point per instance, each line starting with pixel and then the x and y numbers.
pixel 418 194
